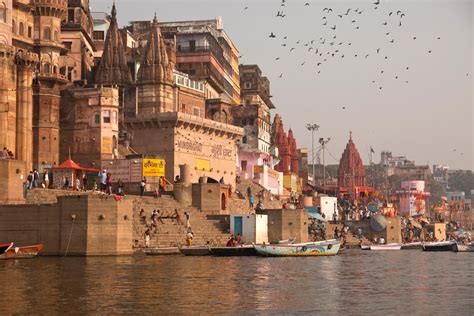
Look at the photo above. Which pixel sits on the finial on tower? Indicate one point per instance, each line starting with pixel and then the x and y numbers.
pixel 114 10
pixel 350 135
pixel 155 19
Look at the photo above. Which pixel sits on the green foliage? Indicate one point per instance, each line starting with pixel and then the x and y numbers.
pixel 461 180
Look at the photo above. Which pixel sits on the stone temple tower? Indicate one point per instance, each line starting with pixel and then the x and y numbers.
pixel 50 77
pixel 155 76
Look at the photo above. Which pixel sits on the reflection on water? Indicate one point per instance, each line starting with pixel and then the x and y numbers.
pixel 357 282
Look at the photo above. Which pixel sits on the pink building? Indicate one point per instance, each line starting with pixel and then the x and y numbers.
pixel 413 200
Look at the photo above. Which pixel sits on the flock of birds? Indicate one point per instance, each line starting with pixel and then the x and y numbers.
pixel 333 46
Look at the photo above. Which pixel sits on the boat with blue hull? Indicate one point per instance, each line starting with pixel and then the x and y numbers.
pixel 299 250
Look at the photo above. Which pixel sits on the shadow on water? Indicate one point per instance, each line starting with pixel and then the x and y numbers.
pixel 357 282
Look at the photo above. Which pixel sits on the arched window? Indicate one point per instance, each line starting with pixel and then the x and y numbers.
pixel 47 34
pixel 46 68
pixel 55 35
pixel 21 29
pixel 97 118
pixel 14 26
pixel 3 12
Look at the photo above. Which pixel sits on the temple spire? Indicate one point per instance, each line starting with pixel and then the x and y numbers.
pixel 156 64
pixel 113 68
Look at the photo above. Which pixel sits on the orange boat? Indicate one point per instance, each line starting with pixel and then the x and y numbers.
pixel 21 252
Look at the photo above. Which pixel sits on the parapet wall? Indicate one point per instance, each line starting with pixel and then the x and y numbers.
pixel 76 225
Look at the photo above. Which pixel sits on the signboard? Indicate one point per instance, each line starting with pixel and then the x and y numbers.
pixel 203 165
pixel 153 167
pixel 106 147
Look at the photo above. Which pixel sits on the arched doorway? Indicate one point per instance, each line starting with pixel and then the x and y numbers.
pixel 223 202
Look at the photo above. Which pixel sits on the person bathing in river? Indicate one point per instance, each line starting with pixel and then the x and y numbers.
pixel 231 242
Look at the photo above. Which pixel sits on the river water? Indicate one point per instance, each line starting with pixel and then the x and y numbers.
pixel 356 282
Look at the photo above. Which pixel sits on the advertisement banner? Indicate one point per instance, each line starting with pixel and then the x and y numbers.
pixel 153 167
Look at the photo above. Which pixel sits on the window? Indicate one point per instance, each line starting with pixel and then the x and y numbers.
pixel 243 165
pixel 21 29
pixel 248 85
pixel 97 118
pixel 47 34
pixel 68 45
pixel 3 13
pixel 250 121
pixel 106 116
pixel 14 26
pixel 70 15
pixel 244 122
pixel 114 117
pixel 46 68
pixel 244 140
pixel 197 111
pixel 30 31
pixel 98 35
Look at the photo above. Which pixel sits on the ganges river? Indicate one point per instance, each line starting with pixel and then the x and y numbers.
pixel 357 283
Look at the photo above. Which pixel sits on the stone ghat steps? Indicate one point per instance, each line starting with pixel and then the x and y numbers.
pixel 169 233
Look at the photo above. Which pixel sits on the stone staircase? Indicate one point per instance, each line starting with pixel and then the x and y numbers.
pixel 239 204
pixel 206 228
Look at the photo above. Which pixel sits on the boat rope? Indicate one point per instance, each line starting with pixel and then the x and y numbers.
pixel 69 238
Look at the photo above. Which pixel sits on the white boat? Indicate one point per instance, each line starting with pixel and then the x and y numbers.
pixel 365 247
pixel 412 245
pixel 458 247
pixel 379 247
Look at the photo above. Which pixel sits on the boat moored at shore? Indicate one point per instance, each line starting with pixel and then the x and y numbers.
pixel 439 246
pixel 323 248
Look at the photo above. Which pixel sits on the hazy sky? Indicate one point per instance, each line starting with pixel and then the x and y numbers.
pixel 429 119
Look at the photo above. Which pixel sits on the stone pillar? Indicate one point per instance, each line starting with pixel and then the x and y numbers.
pixel 185 174
pixel 24 113
pixel 8 82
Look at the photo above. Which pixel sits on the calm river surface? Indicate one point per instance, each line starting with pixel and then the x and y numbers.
pixel 356 282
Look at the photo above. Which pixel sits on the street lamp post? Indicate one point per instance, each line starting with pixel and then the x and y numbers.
pixel 312 128
pixel 323 143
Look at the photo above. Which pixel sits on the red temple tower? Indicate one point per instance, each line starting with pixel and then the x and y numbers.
pixel 293 152
pixel 351 171
pixel 281 142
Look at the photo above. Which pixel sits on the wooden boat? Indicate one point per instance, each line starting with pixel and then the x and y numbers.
pixel 244 250
pixel 438 246
pixel 299 250
pixel 458 247
pixel 195 250
pixel 162 251
pixel 5 247
pixel 412 245
pixel 384 247
pixel 22 252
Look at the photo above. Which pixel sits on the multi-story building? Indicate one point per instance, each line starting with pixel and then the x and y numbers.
pixel 76 36
pixel 89 125
pixel 255 159
pixel 387 159
pixel 441 175
pixel 205 52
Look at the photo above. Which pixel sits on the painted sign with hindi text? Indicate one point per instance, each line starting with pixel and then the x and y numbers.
pixel 153 167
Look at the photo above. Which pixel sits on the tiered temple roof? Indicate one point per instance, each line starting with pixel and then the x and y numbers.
pixel 113 69
pixel 156 64
pixel 351 171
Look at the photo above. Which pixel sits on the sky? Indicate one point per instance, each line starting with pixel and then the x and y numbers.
pixel 424 112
